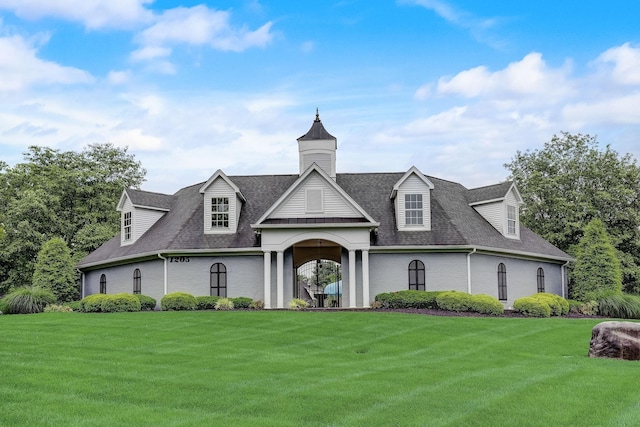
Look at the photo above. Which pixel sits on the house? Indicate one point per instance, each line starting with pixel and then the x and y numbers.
pixel 250 236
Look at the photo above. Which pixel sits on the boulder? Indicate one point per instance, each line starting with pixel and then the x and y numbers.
pixel 615 340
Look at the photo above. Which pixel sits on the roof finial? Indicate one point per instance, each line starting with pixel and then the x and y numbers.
pixel 317 115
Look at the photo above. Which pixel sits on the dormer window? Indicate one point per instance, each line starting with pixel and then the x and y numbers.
pixel 512 219
pixel 413 209
pixel 220 212
pixel 127 226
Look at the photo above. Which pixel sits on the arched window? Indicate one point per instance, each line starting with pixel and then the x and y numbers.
pixel 502 282
pixel 137 281
pixel 416 275
pixel 218 280
pixel 103 284
pixel 540 280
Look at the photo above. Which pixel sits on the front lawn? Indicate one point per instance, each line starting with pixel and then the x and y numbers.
pixel 287 368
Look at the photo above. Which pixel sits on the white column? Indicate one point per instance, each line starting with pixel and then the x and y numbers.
pixel 352 278
pixel 267 279
pixel 365 278
pixel 280 279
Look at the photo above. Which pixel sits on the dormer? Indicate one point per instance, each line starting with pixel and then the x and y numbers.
pixel 222 204
pixel 139 211
pixel 318 146
pixel 500 205
pixel 411 196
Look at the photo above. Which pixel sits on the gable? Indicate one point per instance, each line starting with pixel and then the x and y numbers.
pixel 412 201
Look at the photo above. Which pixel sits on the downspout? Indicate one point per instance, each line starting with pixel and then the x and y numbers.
pixel 81 282
pixel 562 270
pixel 469 269
pixel 166 285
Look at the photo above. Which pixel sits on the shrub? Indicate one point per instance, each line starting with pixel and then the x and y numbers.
pixel 55 308
pixel 407 299
pixel 206 302
pixel 558 305
pixel 92 303
pixel 486 304
pixel 146 303
pixel 623 306
pixel 4 307
pixel 256 305
pixel 120 302
pixel 241 302
pixel 27 300
pixel 532 307
pixel 75 305
pixel 454 301
pixel 298 304
pixel 178 301
pixel 54 270
pixel 224 304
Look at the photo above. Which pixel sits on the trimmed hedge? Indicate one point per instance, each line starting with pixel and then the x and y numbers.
pixel 110 303
pixel 242 302
pixel 407 299
pixel 146 303
pixel 532 307
pixel 178 301
pixel 558 305
pixel 206 302
pixel 454 301
pixel 486 304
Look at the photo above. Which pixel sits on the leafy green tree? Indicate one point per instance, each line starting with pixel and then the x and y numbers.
pixel 71 195
pixel 54 270
pixel 597 271
pixel 570 181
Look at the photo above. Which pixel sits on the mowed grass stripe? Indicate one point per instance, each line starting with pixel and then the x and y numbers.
pixel 306 368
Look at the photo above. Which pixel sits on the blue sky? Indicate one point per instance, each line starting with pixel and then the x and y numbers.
pixel 453 87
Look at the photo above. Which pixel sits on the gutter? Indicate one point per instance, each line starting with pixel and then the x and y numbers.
pixel 562 272
pixel 469 270
pixel 166 285
pixel 81 283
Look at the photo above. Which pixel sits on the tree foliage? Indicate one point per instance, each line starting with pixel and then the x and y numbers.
pixel 54 270
pixel 597 271
pixel 571 181
pixel 66 194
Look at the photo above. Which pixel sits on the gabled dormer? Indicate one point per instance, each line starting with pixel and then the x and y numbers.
pixel 411 197
pixel 318 146
pixel 222 204
pixel 139 210
pixel 500 205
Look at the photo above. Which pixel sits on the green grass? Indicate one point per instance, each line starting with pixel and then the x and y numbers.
pixel 285 368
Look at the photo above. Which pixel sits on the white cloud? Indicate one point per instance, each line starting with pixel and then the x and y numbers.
pixel 118 77
pixel 625 61
pixel 197 26
pixel 93 14
pixel 21 68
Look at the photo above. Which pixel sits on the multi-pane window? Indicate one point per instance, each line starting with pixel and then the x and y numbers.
pixel 220 212
pixel 540 280
pixel 103 284
pixel 127 226
pixel 218 280
pixel 502 282
pixel 416 275
pixel 413 209
pixel 511 219
pixel 137 281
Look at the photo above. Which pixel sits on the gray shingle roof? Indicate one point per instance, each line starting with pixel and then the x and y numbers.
pixel 149 199
pixel 317 131
pixel 454 222
pixel 490 192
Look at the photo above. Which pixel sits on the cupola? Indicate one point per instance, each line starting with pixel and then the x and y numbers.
pixel 318 146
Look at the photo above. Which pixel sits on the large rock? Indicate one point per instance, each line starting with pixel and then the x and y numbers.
pixel 616 340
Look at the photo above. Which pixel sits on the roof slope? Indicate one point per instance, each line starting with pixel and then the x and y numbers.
pixel 489 192
pixel 149 199
pixel 454 222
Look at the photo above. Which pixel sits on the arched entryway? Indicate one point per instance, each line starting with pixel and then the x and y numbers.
pixel 318 272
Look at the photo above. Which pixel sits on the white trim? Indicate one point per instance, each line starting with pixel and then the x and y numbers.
pixel 412 170
pixel 220 174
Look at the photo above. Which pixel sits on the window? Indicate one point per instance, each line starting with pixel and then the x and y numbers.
pixel 413 209
pixel 103 284
pixel 220 212
pixel 416 275
pixel 127 226
pixel 218 280
pixel 540 280
pixel 137 281
pixel 511 219
pixel 502 282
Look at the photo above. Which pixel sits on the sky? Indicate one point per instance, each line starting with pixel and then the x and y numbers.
pixel 453 87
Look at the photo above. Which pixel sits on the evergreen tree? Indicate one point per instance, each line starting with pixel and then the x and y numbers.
pixel 597 271
pixel 54 270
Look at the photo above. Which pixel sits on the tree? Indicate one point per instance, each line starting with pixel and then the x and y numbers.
pixel 71 195
pixel 54 270
pixel 597 271
pixel 569 182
